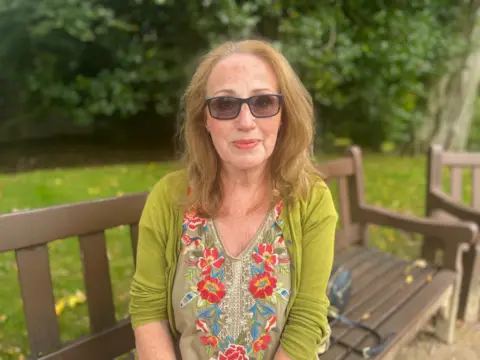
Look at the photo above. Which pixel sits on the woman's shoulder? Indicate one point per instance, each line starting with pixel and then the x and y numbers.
pixel 170 187
pixel 319 198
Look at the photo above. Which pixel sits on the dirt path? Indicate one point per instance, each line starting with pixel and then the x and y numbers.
pixel 425 346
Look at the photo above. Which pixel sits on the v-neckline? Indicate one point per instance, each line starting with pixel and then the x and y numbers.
pixel 251 243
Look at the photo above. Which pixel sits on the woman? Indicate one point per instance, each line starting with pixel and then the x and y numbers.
pixel 235 251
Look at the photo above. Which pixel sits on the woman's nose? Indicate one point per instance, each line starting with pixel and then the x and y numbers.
pixel 245 119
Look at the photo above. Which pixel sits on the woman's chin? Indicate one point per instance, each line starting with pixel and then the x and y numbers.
pixel 248 163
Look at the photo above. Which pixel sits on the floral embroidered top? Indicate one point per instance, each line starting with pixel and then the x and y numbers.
pixel 230 307
pixel 308 228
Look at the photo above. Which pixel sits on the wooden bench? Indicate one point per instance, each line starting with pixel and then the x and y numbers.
pixel 28 234
pixel 451 203
pixel 384 297
pixel 379 286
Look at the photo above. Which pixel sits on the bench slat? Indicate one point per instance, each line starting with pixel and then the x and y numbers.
pixel 108 344
pixel 456 183
pixel 38 299
pixel 97 281
pixel 64 221
pixel 380 299
pixel 406 321
pixel 343 204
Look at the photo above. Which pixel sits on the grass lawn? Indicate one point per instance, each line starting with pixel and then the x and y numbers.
pixel 392 182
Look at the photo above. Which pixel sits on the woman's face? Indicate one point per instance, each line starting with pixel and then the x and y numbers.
pixel 244 141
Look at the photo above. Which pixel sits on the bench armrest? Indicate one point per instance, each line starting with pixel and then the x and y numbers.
pixel 451 231
pixel 441 201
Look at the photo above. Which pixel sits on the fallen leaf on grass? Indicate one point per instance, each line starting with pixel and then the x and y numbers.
pixel 78 298
pixel 3 318
pixel 59 306
pixel 71 301
pixel 58 181
pixel 93 191
pixel 120 193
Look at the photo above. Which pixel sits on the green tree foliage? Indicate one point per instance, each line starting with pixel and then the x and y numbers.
pixel 367 63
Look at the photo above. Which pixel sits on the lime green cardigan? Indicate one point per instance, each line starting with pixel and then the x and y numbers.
pixel 308 228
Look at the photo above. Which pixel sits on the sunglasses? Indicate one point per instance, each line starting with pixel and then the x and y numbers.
pixel 228 107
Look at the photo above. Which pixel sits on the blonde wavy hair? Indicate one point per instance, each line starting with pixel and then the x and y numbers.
pixel 291 163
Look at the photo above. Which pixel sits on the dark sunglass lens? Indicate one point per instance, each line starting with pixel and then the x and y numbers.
pixel 264 105
pixel 224 107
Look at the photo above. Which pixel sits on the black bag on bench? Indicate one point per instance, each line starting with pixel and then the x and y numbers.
pixel 338 291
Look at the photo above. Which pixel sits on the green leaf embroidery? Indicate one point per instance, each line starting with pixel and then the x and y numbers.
pixel 201 303
pixel 242 338
pixel 279 250
pixel 190 275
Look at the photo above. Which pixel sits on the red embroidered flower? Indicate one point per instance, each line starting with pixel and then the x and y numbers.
pixel 261 343
pixel 209 340
pixel 192 220
pixel 202 326
pixel 211 289
pixel 262 285
pixel 234 352
pixel 271 323
pixel 264 253
pixel 210 258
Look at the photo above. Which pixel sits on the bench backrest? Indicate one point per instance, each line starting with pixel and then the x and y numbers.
pixel 344 177
pixel 457 163
pixel 28 234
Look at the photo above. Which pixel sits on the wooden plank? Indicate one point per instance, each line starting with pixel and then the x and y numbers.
pixel 461 159
pixel 456 183
pixel 359 256
pixel 63 221
pixel 337 168
pixel 409 319
pixel 134 240
pixel 107 344
pixel 344 204
pixel 388 298
pixel 360 301
pixel 476 187
pixel 98 286
pixel 344 239
pixel 38 299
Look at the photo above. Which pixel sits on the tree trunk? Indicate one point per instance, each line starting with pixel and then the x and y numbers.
pixel 451 101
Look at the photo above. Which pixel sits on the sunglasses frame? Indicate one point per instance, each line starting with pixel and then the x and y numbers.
pixel 244 101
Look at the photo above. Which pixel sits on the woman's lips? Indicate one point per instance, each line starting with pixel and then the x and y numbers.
pixel 246 144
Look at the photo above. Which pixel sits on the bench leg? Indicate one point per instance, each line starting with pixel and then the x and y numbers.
pixel 446 319
pixel 470 294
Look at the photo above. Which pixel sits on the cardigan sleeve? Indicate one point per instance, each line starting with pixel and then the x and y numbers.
pixel 148 302
pixel 307 327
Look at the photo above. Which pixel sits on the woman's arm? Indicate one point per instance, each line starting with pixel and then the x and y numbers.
pixel 280 355
pixel 153 342
pixel 307 325
pixel 148 295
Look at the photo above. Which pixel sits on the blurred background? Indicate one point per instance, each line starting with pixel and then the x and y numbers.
pixel 90 93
